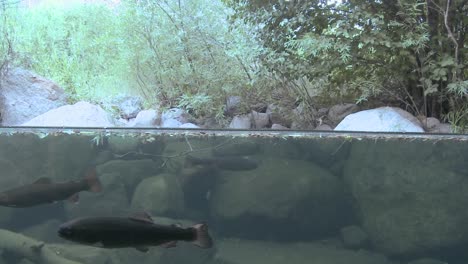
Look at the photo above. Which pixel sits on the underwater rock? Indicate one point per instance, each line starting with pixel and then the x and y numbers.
pixel 197 185
pixel 25 149
pixel 46 231
pixel 245 251
pixel 427 261
pixel 284 148
pixel 354 237
pixel 120 144
pixel 244 148
pixel 292 197
pixel 232 163
pixel 129 173
pixel 25 261
pixel 407 194
pixel 67 156
pixel 84 254
pixel 159 195
pixel 187 253
pixel 113 200
pixel 11 177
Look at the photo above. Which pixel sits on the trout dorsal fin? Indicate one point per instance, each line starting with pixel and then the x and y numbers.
pixel 42 180
pixel 142 217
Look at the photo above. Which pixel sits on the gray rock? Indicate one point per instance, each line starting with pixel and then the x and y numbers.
pixel 233 104
pixel 103 157
pixel 239 148
pixel 24 261
pixel 427 261
pixel 383 119
pixel 259 199
pixel 112 200
pixel 278 127
pixel 338 112
pixel 442 128
pixel 303 118
pixel 324 127
pixel 129 106
pixel 170 123
pixel 130 172
pixel 25 95
pixel 177 114
pixel 429 123
pixel 408 197
pixel 241 122
pixel 354 237
pixel 188 125
pixel 235 251
pixel 260 120
pixel 68 156
pixel 159 195
pixel 46 231
pixel 147 118
pixel 81 114
pixel 280 115
pixel 119 179
pixel 84 254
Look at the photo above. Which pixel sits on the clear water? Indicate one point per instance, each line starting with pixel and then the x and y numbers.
pixel 267 197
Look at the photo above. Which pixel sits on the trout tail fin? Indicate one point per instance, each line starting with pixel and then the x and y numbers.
pixel 202 238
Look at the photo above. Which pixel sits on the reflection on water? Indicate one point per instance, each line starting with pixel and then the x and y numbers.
pixel 266 197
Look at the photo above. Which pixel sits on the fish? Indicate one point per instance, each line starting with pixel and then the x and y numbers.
pixel 225 163
pixel 135 231
pixel 44 191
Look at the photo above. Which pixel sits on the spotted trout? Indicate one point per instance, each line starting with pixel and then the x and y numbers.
pixel 44 191
pixel 137 231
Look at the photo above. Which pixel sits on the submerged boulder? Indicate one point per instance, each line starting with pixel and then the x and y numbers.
pixel 410 196
pixel 293 197
pixel 159 195
pixel 244 251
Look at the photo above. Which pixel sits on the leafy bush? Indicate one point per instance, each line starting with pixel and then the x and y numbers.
pixel 174 53
pixel 413 50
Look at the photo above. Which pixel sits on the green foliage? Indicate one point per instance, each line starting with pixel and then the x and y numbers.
pixel 80 48
pixel 174 53
pixel 190 56
pixel 458 119
pixel 365 48
pixel 6 35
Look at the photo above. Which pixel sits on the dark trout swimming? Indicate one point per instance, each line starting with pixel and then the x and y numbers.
pixel 44 191
pixel 137 231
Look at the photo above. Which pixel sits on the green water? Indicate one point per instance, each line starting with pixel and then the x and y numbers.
pixel 266 196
